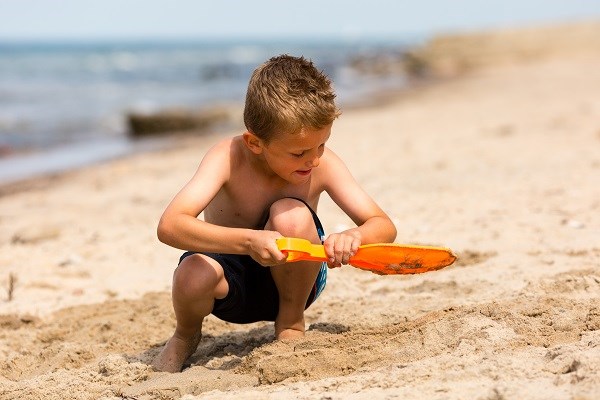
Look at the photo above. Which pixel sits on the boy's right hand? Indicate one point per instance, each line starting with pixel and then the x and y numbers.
pixel 263 248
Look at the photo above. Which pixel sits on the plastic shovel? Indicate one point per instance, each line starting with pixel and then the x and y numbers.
pixel 379 258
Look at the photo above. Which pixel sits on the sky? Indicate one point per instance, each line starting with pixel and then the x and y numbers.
pixel 200 19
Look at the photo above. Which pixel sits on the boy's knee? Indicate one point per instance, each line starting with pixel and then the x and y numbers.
pixel 290 217
pixel 196 276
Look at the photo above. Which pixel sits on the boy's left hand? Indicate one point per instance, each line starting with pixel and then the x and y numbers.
pixel 339 247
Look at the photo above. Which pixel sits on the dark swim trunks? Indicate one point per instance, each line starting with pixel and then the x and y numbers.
pixel 252 293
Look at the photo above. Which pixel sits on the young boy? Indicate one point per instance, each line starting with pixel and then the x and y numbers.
pixel 253 189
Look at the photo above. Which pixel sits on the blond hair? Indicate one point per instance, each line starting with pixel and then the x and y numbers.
pixel 286 94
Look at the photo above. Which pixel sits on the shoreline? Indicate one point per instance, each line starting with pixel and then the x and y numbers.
pixel 120 82
pixel 23 169
pixel 36 166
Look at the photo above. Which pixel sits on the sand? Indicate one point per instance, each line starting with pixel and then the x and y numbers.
pixel 501 163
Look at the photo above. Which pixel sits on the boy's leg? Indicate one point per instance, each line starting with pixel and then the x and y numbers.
pixel 294 281
pixel 197 281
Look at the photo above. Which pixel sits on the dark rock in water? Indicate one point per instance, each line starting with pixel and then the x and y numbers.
pixel 415 66
pixel 177 120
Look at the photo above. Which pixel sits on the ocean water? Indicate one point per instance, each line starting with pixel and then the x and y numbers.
pixel 65 104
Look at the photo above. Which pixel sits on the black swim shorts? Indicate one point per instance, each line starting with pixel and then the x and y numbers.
pixel 252 293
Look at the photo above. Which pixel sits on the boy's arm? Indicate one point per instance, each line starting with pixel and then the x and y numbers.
pixel 373 224
pixel 179 226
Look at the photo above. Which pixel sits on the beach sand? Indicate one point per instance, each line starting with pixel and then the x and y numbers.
pixel 500 162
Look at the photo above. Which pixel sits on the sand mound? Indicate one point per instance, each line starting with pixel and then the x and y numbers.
pixel 101 352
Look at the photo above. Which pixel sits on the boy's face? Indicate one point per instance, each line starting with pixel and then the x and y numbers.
pixel 294 156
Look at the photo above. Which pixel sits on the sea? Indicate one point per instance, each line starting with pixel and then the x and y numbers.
pixel 65 104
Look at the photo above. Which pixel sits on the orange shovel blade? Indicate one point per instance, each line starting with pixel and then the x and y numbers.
pixel 379 258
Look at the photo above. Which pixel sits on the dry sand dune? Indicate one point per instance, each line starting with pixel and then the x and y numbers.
pixel 502 164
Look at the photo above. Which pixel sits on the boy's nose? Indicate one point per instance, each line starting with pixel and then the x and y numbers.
pixel 314 162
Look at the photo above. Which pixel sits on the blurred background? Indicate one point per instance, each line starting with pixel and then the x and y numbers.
pixel 74 73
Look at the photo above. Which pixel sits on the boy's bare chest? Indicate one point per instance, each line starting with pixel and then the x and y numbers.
pixel 245 204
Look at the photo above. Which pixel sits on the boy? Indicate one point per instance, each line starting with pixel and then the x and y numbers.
pixel 253 189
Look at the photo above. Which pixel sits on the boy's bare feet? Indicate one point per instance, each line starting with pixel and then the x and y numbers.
pixel 175 352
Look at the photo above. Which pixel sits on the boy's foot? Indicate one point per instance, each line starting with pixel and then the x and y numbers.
pixel 175 352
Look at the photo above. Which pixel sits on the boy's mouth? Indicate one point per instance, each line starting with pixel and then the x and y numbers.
pixel 304 173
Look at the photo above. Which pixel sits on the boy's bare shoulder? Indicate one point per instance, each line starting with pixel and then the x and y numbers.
pixel 222 151
pixel 215 165
pixel 331 156
pixel 331 164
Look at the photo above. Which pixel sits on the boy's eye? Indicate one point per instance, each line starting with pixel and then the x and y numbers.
pixel 298 154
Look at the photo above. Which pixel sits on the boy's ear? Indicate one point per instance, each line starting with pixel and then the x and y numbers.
pixel 253 142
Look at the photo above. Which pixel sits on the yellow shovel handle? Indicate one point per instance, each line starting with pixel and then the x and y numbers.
pixel 301 249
